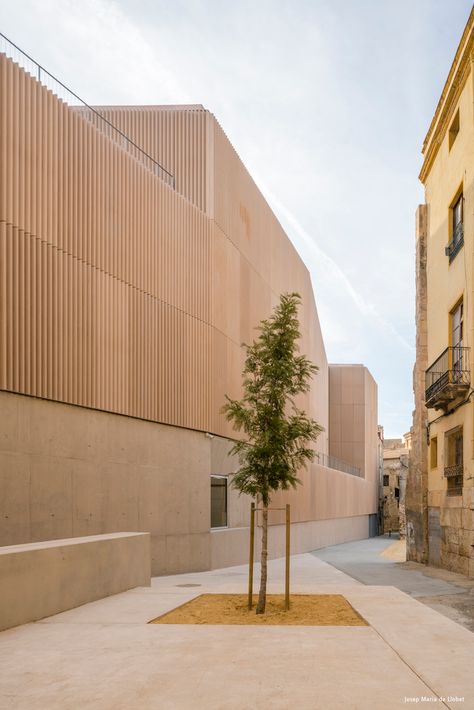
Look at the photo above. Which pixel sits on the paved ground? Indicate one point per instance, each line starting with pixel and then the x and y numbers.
pixel 104 656
pixel 365 561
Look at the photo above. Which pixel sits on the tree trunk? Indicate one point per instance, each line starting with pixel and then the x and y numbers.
pixel 262 595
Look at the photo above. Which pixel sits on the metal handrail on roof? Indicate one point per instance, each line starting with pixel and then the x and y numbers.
pixel 333 462
pixel 44 77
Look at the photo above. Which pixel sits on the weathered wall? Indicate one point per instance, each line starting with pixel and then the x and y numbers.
pixel 395 464
pixel 417 480
pixel 451 530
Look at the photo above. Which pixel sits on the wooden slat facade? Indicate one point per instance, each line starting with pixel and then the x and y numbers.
pixel 118 292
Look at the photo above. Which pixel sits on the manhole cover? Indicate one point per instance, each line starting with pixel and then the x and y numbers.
pixel 189 585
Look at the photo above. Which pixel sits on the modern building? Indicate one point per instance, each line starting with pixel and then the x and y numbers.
pixel 440 501
pixel 136 255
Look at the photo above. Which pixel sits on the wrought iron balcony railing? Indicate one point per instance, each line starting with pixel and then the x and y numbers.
pixel 453 471
pixel 456 242
pixel 454 474
pixel 448 378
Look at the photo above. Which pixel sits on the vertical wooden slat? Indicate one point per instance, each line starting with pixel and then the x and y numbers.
pixel 108 278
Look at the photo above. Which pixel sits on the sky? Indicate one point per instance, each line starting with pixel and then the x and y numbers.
pixel 327 102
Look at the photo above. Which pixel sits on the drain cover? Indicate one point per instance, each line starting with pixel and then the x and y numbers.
pixel 189 585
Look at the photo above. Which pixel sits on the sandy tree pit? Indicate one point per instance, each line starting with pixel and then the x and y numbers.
pixel 305 610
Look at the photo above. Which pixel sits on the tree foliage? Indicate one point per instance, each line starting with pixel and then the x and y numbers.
pixel 278 434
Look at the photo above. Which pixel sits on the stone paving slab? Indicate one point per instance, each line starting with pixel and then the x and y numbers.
pixel 115 667
pixel 104 656
pixel 363 561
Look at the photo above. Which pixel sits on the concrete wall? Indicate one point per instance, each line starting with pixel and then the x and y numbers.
pixel 44 578
pixel 69 471
pixel 231 547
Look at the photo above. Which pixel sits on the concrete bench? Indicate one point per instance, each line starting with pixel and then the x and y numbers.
pixel 40 579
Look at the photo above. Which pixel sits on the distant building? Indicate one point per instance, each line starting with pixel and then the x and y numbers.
pixel 395 469
pixel 440 500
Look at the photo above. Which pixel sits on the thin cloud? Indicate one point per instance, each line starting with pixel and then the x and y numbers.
pixel 313 104
pixel 322 260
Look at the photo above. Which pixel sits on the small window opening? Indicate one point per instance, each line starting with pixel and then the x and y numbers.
pixel 218 501
pixel 454 129
pixel 456 229
pixel 434 452
pixel 453 469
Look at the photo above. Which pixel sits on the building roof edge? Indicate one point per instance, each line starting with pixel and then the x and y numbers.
pixel 452 88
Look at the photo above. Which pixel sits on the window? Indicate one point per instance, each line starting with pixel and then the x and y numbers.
pixel 457 215
pixel 385 479
pixel 218 501
pixel 457 325
pixel 434 452
pixel 456 340
pixel 456 227
pixel 453 469
pixel 453 130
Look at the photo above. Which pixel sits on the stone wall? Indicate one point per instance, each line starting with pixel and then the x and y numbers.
pixel 402 517
pixel 456 531
pixel 417 480
pixel 395 469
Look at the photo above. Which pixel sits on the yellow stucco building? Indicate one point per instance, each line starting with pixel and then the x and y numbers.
pixel 440 497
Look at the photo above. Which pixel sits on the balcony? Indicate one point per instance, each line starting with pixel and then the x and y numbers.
pixel 454 474
pixel 448 379
pixel 456 242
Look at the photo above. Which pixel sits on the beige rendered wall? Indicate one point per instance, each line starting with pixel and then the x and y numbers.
pixel 44 578
pixel 447 283
pixel 445 171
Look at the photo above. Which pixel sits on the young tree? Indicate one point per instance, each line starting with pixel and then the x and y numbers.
pixel 277 434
